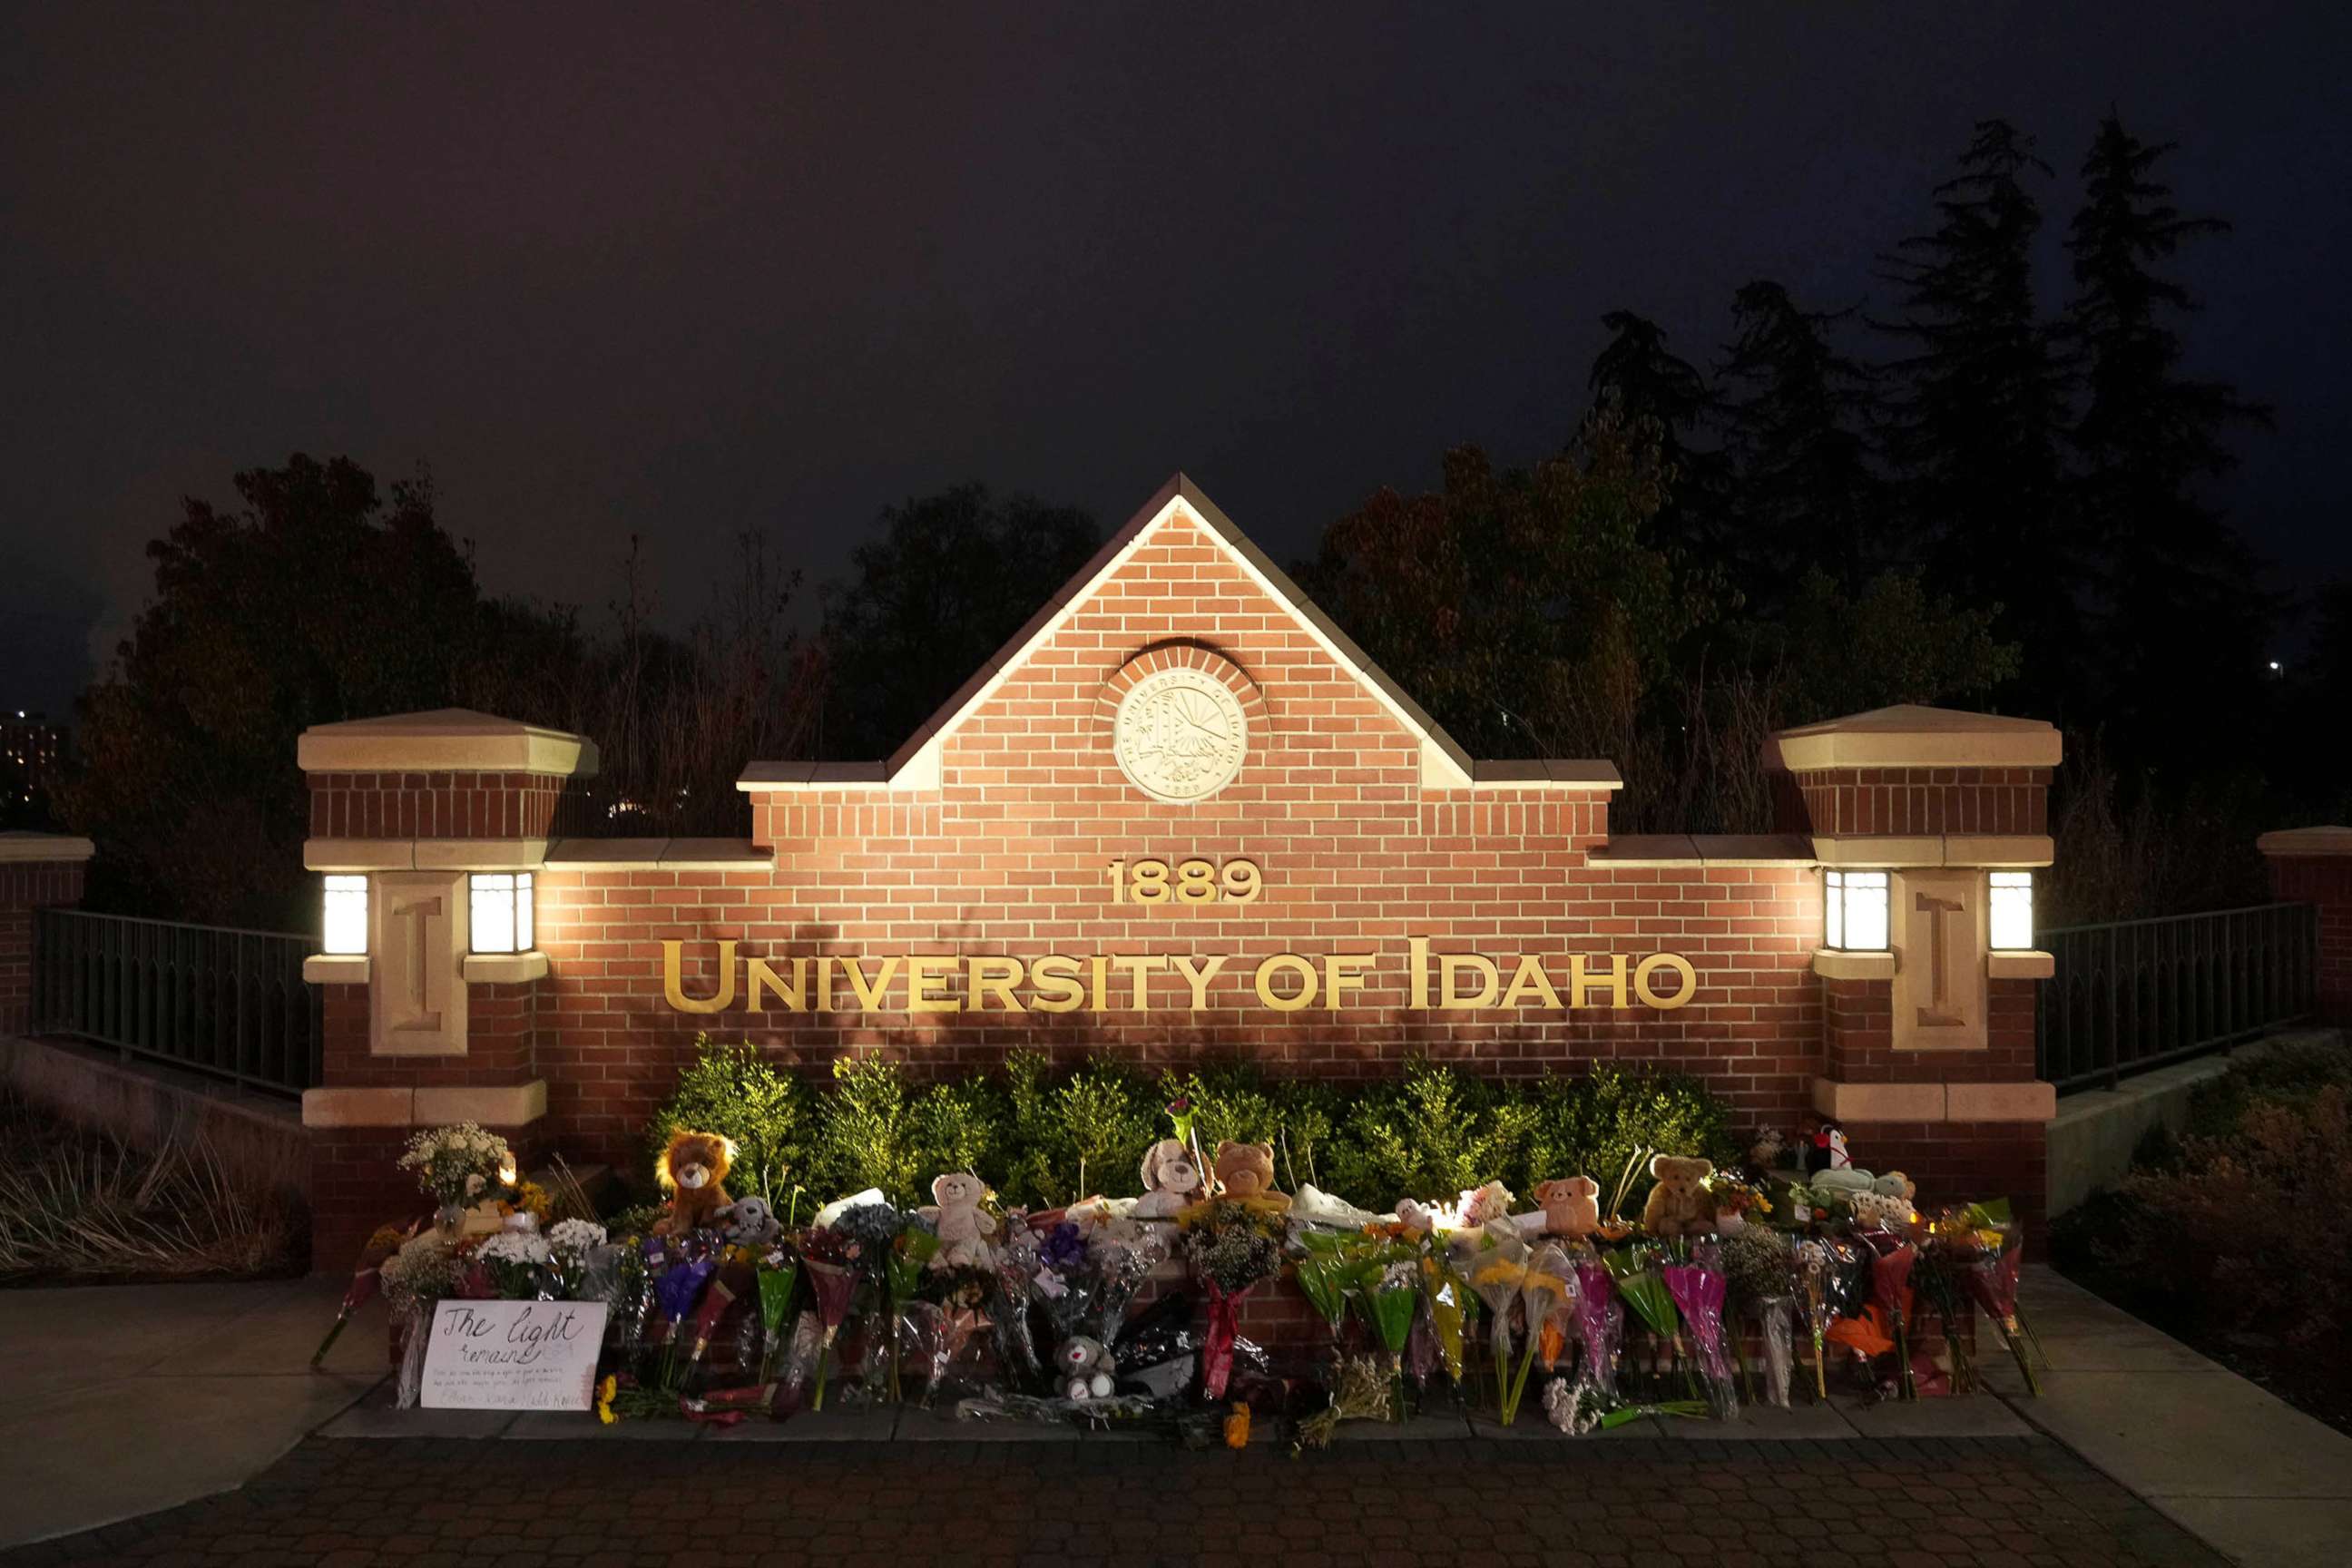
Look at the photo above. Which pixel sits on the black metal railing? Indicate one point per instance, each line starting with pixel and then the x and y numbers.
pixel 229 1002
pixel 2136 994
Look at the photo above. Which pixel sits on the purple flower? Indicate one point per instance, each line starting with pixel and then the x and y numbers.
pixel 1065 1249
pixel 676 1288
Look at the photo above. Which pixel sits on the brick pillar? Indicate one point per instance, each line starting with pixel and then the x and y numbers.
pixel 38 870
pixel 1928 1048
pixel 2314 866
pixel 421 1030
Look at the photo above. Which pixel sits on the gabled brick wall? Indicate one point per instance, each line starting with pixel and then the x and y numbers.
pixel 1011 855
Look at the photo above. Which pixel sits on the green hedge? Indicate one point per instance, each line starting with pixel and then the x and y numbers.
pixel 1041 1137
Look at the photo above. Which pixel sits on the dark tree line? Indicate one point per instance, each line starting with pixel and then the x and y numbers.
pixel 1952 494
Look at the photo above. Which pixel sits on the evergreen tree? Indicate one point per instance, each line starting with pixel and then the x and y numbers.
pixel 1643 384
pixel 2185 621
pixel 1795 414
pixel 1976 427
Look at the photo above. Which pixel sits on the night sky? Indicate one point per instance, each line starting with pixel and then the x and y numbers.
pixel 783 264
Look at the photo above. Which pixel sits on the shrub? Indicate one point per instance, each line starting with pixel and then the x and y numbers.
pixel 2244 1234
pixel 1595 1124
pixel 866 1133
pixel 1432 1131
pixel 2291 1074
pixel 765 1110
pixel 1040 1138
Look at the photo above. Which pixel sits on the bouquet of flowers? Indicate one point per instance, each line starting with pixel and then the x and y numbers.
pixel 1698 1287
pixel 580 1259
pixel 1890 1290
pixel 778 1280
pixel 952 1309
pixel 367 1278
pixel 1832 1275
pixel 829 1261
pixel 1599 1329
pixel 1635 1270
pixel 1233 1247
pixel 677 1269
pixel 1386 1295
pixel 1444 1299
pixel 417 1277
pixel 1992 1275
pixel 458 1166
pixel 517 1266
pixel 1759 1266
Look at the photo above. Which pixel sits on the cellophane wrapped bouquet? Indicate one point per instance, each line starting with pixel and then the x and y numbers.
pixel 1232 1246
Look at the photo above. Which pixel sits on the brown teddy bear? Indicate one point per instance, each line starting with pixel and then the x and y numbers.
pixel 1571 1206
pixel 1246 1171
pixel 691 1171
pixel 1679 1204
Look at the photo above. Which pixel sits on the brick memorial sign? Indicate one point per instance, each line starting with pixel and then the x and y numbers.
pixel 1181 815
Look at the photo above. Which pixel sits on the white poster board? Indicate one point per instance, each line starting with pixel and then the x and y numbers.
pixel 513 1355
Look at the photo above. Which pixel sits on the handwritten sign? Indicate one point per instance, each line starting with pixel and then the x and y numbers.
pixel 513 1355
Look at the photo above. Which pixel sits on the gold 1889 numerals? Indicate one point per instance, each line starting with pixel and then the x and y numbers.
pixel 1186 882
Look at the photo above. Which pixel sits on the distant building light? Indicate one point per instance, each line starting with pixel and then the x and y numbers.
pixel 2274 669
pixel 344 921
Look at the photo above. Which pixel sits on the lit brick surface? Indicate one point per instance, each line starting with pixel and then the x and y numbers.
pixel 1012 856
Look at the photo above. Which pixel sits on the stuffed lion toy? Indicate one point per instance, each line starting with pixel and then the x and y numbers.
pixel 692 1170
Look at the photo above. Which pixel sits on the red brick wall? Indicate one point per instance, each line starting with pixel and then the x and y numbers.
pixel 1861 1019
pixel 1010 857
pixel 433 805
pixel 26 885
pixel 2325 880
pixel 498 1044
pixel 1927 800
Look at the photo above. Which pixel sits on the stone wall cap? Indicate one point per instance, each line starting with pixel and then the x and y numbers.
pixel 2334 839
pixel 1911 736
pixel 20 847
pixel 659 855
pixel 1546 773
pixel 1704 849
pixel 444 739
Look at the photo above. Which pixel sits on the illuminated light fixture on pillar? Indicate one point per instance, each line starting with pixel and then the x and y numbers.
pixel 344 919
pixel 2010 912
pixel 501 911
pixel 1854 910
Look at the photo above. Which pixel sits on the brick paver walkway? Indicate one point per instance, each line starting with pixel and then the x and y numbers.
pixel 458 1504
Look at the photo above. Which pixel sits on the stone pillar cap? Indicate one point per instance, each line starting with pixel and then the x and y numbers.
pixel 2328 840
pixel 18 847
pixel 1912 736
pixel 446 740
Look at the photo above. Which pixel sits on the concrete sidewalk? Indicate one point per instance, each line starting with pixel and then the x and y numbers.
pixel 116 1401
pixel 2254 1478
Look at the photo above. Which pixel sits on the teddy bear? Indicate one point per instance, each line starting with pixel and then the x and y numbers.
pixel 749 1222
pixel 1171 1180
pixel 1086 1367
pixel 1571 1206
pixel 964 1227
pixel 1246 1171
pixel 1680 1203
pixel 692 1170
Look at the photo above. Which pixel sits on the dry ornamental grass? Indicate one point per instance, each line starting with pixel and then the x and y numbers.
pixel 77 1205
